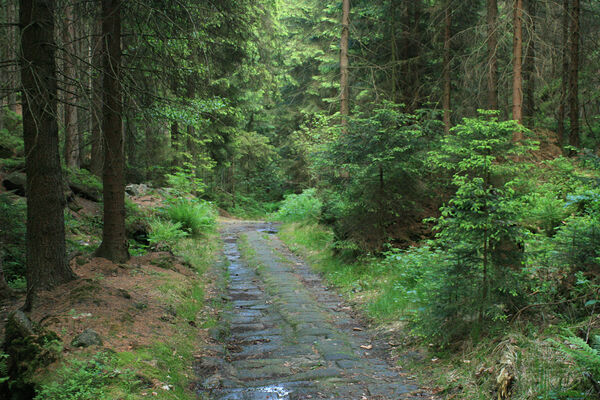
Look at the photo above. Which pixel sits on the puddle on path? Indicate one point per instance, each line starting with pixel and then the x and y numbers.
pixel 273 392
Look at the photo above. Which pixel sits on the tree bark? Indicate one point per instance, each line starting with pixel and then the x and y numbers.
pixel 529 65
pixel 114 244
pixel 83 32
pixel 414 64
pixel 13 71
pixel 97 153
pixel 492 39
pixel 175 141
pixel 344 63
pixel 564 76
pixel 394 50
pixel 46 259
pixel 71 147
pixel 151 144
pixel 130 136
pixel 574 77
pixel 9 74
pixel 446 73
pixel 3 71
pixel 517 95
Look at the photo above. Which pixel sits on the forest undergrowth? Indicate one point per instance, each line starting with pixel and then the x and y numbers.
pixel 501 299
pixel 438 161
pixel 164 290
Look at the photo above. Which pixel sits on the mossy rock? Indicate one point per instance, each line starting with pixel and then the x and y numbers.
pixel 88 338
pixel 29 348
pixel 19 325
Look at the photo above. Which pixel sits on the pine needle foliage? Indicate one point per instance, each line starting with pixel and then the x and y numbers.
pixel 477 228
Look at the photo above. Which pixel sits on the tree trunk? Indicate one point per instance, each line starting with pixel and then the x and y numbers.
pixel 130 137
pixel 492 39
pixel 344 63
pixel 175 142
pixel 517 95
pixel 394 50
pixel 574 77
pixel 565 73
pixel 114 244
pixel 70 88
pixel 3 71
pixel 13 70
pixel 446 72
pixel 529 65
pixel 9 71
pixel 417 64
pixel 46 258
pixel 83 32
pixel 97 153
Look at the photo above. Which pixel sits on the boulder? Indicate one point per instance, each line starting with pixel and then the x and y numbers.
pixel 88 338
pixel 16 182
pixel 136 190
pixel 19 325
pixel 29 349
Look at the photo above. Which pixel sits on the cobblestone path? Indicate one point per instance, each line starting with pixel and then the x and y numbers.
pixel 286 336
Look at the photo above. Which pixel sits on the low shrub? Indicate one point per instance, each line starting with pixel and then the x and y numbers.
pixel 304 207
pixel 84 380
pixel 413 280
pixel 195 216
pixel 165 233
pixel 184 181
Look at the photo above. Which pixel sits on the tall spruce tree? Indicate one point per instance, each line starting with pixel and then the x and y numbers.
pixel 114 244
pixel 46 257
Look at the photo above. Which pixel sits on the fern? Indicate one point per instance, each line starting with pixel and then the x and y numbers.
pixel 3 367
pixel 585 356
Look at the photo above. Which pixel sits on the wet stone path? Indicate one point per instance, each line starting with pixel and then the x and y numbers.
pixel 286 336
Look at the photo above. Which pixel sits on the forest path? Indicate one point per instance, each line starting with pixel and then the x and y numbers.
pixel 286 336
